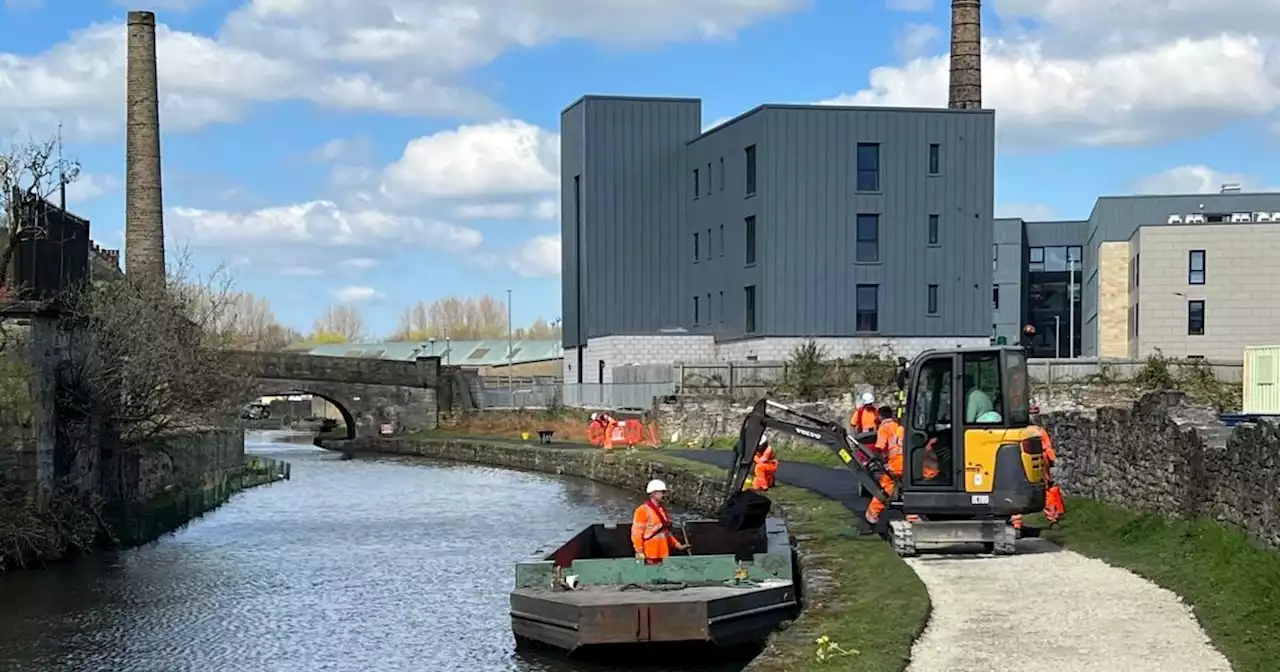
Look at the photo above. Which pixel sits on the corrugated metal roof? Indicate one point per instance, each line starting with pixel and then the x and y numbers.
pixel 460 353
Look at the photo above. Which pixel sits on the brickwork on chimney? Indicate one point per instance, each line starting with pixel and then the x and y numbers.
pixel 966 54
pixel 144 206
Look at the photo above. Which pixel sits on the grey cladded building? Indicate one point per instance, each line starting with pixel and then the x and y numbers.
pixel 858 227
pixel 1188 274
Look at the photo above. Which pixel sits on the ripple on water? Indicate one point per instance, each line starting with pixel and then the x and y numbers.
pixel 357 565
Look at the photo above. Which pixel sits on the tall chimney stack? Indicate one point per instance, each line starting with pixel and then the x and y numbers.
pixel 144 206
pixel 966 55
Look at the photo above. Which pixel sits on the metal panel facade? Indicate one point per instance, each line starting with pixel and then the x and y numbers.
pixel 638 159
pixel 1008 276
pixel 621 274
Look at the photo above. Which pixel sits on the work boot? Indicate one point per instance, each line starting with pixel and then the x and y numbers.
pixel 865 528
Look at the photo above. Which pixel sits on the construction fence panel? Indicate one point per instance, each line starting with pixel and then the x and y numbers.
pixel 615 395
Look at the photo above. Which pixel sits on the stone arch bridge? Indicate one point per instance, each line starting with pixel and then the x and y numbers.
pixel 367 392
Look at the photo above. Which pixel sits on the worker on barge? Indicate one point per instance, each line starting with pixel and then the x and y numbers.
pixel 651 534
pixel 765 469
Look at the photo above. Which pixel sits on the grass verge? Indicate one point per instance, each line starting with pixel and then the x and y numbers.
pixel 1231 581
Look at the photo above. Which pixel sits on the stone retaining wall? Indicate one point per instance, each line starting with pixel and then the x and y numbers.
pixel 1164 455
pixel 697 492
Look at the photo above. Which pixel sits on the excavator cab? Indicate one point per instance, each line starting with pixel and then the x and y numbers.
pixel 968 411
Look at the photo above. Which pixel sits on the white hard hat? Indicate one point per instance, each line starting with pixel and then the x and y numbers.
pixel 868 398
pixel 595 416
pixel 764 440
pixel 655 486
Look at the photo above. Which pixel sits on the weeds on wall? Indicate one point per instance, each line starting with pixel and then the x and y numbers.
pixel 71 523
pixel 1193 377
pixel 812 374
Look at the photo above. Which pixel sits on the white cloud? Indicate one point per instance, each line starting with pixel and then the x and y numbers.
pixel 1029 212
pixel 911 5
pixel 1195 179
pixel 501 158
pixel 360 263
pixel 914 39
pixel 546 210
pixel 540 257
pixel 713 124
pixel 89 186
pixel 357 294
pixel 319 223
pixel 1174 89
pixel 301 271
pixel 397 56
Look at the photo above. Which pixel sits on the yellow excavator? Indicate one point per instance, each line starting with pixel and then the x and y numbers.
pixel 970 408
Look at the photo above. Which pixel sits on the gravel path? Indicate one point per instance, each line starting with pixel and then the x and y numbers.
pixel 988 614
pixel 988 617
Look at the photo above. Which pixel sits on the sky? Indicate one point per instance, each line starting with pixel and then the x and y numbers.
pixel 384 152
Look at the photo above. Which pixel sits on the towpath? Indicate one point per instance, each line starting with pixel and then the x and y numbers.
pixel 1045 608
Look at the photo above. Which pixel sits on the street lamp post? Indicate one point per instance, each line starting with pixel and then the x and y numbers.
pixel 510 387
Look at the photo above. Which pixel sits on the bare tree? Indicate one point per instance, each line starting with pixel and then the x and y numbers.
pixel 540 330
pixel 245 320
pixel 156 359
pixel 458 318
pixel 30 172
pixel 339 324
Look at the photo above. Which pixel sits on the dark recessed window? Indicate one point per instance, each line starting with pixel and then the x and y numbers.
pixel 697 248
pixel 868 239
pixel 1035 259
pixel 697 184
pixel 935 159
pixel 1195 267
pixel 750 295
pixel 867 309
pixel 750 225
pixel 697 316
pixel 933 229
pixel 995 297
pixel 751 170
pixel 1195 318
pixel 933 299
pixel 868 167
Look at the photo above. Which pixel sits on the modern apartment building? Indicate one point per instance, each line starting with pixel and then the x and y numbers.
pixel 858 227
pixel 1187 274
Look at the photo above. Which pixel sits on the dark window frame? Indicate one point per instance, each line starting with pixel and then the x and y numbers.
pixel 995 297
pixel 1192 270
pixel 867 320
pixel 934 233
pixel 932 307
pixel 867 177
pixel 697 184
pixel 749 296
pixel 861 240
pixel 935 158
pixel 1195 324
pixel 697 313
pixel 749 231
pixel 750 181
pixel 697 248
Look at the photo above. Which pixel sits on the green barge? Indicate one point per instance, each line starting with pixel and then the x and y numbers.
pixel 734 588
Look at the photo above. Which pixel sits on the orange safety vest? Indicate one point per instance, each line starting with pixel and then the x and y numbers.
pixel 651 531
pixel 889 443
pixel 766 466
pixel 865 419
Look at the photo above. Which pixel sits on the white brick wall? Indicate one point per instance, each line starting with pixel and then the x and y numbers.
pixel 780 349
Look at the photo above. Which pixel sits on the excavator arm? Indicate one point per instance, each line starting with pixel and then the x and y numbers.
pixel 867 467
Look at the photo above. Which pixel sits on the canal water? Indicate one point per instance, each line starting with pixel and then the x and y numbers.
pixel 366 565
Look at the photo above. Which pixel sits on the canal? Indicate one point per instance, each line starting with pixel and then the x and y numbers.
pixel 367 565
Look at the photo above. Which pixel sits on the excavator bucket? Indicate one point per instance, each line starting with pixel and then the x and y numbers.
pixel 746 510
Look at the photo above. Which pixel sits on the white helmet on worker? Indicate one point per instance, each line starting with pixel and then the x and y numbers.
pixel 655 485
pixel 868 399
pixel 595 416
pixel 764 440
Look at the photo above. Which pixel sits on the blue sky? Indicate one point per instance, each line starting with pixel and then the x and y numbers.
pixel 383 152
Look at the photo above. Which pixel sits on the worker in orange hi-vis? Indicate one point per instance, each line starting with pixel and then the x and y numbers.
pixel 651 536
pixel 888 443
pixel 596 429
pixel 1055 505
pixel 865 418
pixel 766 467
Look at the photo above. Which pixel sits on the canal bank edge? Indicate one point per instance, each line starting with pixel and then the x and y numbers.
pixel 858 593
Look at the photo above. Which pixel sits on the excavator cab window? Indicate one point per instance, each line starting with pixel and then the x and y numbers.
pixel 930 414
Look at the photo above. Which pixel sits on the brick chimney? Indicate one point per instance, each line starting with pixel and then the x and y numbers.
pixel 144 206
pixel 966 54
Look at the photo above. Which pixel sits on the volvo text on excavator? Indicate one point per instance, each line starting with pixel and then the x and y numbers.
pixel 969 408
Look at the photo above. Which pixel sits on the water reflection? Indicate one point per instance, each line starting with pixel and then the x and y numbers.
pixel 363 565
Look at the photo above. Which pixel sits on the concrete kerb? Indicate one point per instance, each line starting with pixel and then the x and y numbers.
pixel 700 493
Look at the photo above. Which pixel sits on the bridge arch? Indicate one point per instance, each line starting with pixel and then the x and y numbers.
pixel 348 419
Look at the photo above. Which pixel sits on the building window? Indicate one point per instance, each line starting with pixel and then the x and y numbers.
pixel 995 297
pixel 1075 257
pixel 750 225
pixel 711 310
pixel 1195 267
pixel 697 314
pixel 697 184
pixel 1035 259
pixel 722 240
pixel 935 159
pixel 1195 318
pixel 710 250
pixel 722 173
pixel 709 178
pixel 751 170
pixel 750 309
pixel 995 256
pixel 867 309
pixel 868 167
pixel 933 299
pixel 933 229
pixel 1136 312
pixel 722 306
pixel 868 239
pixel 697 249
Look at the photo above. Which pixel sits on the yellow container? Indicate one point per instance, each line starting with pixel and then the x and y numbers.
pixel 524 435
pixel 1262 380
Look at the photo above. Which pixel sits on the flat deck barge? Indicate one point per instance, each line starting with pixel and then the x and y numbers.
pixel 735 588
